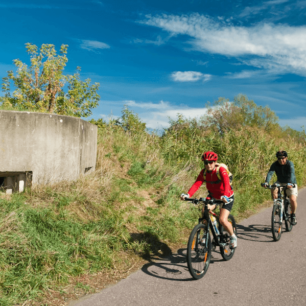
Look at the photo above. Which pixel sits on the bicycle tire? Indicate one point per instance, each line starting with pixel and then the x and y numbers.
pixel 227 252
pixel 198 254
pixel 287 219
pixel 275 222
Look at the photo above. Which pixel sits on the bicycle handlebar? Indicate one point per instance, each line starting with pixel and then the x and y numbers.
pixel 275 186
pixel 206 201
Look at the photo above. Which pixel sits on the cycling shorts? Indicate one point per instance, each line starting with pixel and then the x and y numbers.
pixel 228 206
pixel 289 191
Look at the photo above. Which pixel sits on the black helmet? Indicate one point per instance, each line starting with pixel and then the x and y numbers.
pixel 281 153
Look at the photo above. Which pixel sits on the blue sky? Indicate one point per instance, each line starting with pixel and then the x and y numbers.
pixel 166 57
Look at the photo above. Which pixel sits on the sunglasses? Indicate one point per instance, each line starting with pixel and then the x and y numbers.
pixel 206 162
pixel 280 158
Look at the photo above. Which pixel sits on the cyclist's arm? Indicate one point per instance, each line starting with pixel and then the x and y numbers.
pixel 197 184
pixel 270 173
pixel 227 187
pixel 292 179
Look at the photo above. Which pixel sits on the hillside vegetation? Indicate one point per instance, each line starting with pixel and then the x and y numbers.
pixel 59 242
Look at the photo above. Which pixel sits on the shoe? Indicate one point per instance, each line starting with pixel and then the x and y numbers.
pixel 233 240
pixel 293 220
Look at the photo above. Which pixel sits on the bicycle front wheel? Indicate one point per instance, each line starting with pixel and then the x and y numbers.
pixel 199 251
pixel 287 216
pixel 276 222
pixel 227 252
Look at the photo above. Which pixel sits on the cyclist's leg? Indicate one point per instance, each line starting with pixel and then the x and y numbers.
pixel 223 219
pixel 274 191
pixel 293 203
pixel 292 193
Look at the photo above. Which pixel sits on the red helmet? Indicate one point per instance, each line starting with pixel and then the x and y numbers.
pixel 209 155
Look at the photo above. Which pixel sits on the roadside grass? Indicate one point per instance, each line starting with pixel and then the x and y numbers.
pixel 59 242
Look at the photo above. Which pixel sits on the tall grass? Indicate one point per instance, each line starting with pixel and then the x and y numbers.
pixel 129 208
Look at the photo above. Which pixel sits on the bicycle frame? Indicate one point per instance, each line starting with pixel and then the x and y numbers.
pixel 281 199
pixel 205 217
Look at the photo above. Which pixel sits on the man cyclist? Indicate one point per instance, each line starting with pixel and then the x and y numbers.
pixel 285 173
pixel 218 189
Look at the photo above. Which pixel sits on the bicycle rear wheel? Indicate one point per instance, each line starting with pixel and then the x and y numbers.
pixel 227 252
pixel 199 251
pixel 275 222
pixel 287 217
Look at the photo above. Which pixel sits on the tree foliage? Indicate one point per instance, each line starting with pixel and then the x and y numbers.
pixel 224 115
pixel 43 87
pixel 130 122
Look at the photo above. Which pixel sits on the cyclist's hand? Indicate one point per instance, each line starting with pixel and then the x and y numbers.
pixel 225 199
pixel 289 185
pixel 183 196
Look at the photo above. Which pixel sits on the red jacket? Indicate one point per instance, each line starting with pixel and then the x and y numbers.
pixel 216 187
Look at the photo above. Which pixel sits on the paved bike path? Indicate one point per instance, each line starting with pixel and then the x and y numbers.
pixel 262 272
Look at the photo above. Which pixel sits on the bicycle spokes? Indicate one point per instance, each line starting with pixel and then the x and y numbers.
pixel 199 251
pixel 276 222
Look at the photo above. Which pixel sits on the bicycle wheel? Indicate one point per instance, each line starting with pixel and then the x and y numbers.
pixel 199 251
pixel 287 217
pixel 227 252
pixel 275 222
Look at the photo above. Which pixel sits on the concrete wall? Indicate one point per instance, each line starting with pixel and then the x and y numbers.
pixel 52 147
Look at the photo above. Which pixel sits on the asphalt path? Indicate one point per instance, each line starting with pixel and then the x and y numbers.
pixel 262 272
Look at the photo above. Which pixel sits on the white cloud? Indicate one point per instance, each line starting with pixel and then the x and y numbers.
pixel 245 74
pixel 156 115
pixel 158 42
pixel 92 45
pixel 148 105
pixel 275 2
pixel 254 10
pixel 294 123
pixel 189 76
pixel 279 48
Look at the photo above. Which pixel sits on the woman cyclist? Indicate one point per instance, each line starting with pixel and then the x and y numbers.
pixel 220 189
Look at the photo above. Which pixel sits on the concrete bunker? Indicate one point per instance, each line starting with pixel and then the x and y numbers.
pixel 37 148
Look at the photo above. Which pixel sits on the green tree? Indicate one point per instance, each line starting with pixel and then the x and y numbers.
pixel 242 112
pixel 43 87
pixel 130 122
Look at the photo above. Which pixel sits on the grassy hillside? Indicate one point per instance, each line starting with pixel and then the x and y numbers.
pixel 60 242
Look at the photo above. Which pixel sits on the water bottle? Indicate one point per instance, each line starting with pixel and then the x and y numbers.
pixel 214 223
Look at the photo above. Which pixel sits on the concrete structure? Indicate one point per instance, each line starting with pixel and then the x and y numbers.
pixel 37 148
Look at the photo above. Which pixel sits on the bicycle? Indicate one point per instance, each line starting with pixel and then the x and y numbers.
pixel 200 245
pixel 280 211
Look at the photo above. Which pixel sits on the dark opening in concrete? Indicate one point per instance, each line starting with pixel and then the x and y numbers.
pixel 15 181
pixel 87 169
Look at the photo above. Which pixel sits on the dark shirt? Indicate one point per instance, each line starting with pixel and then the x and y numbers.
pixel 285 173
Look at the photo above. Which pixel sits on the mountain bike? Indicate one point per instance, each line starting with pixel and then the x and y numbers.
pixel 280 211
pixel 200 241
